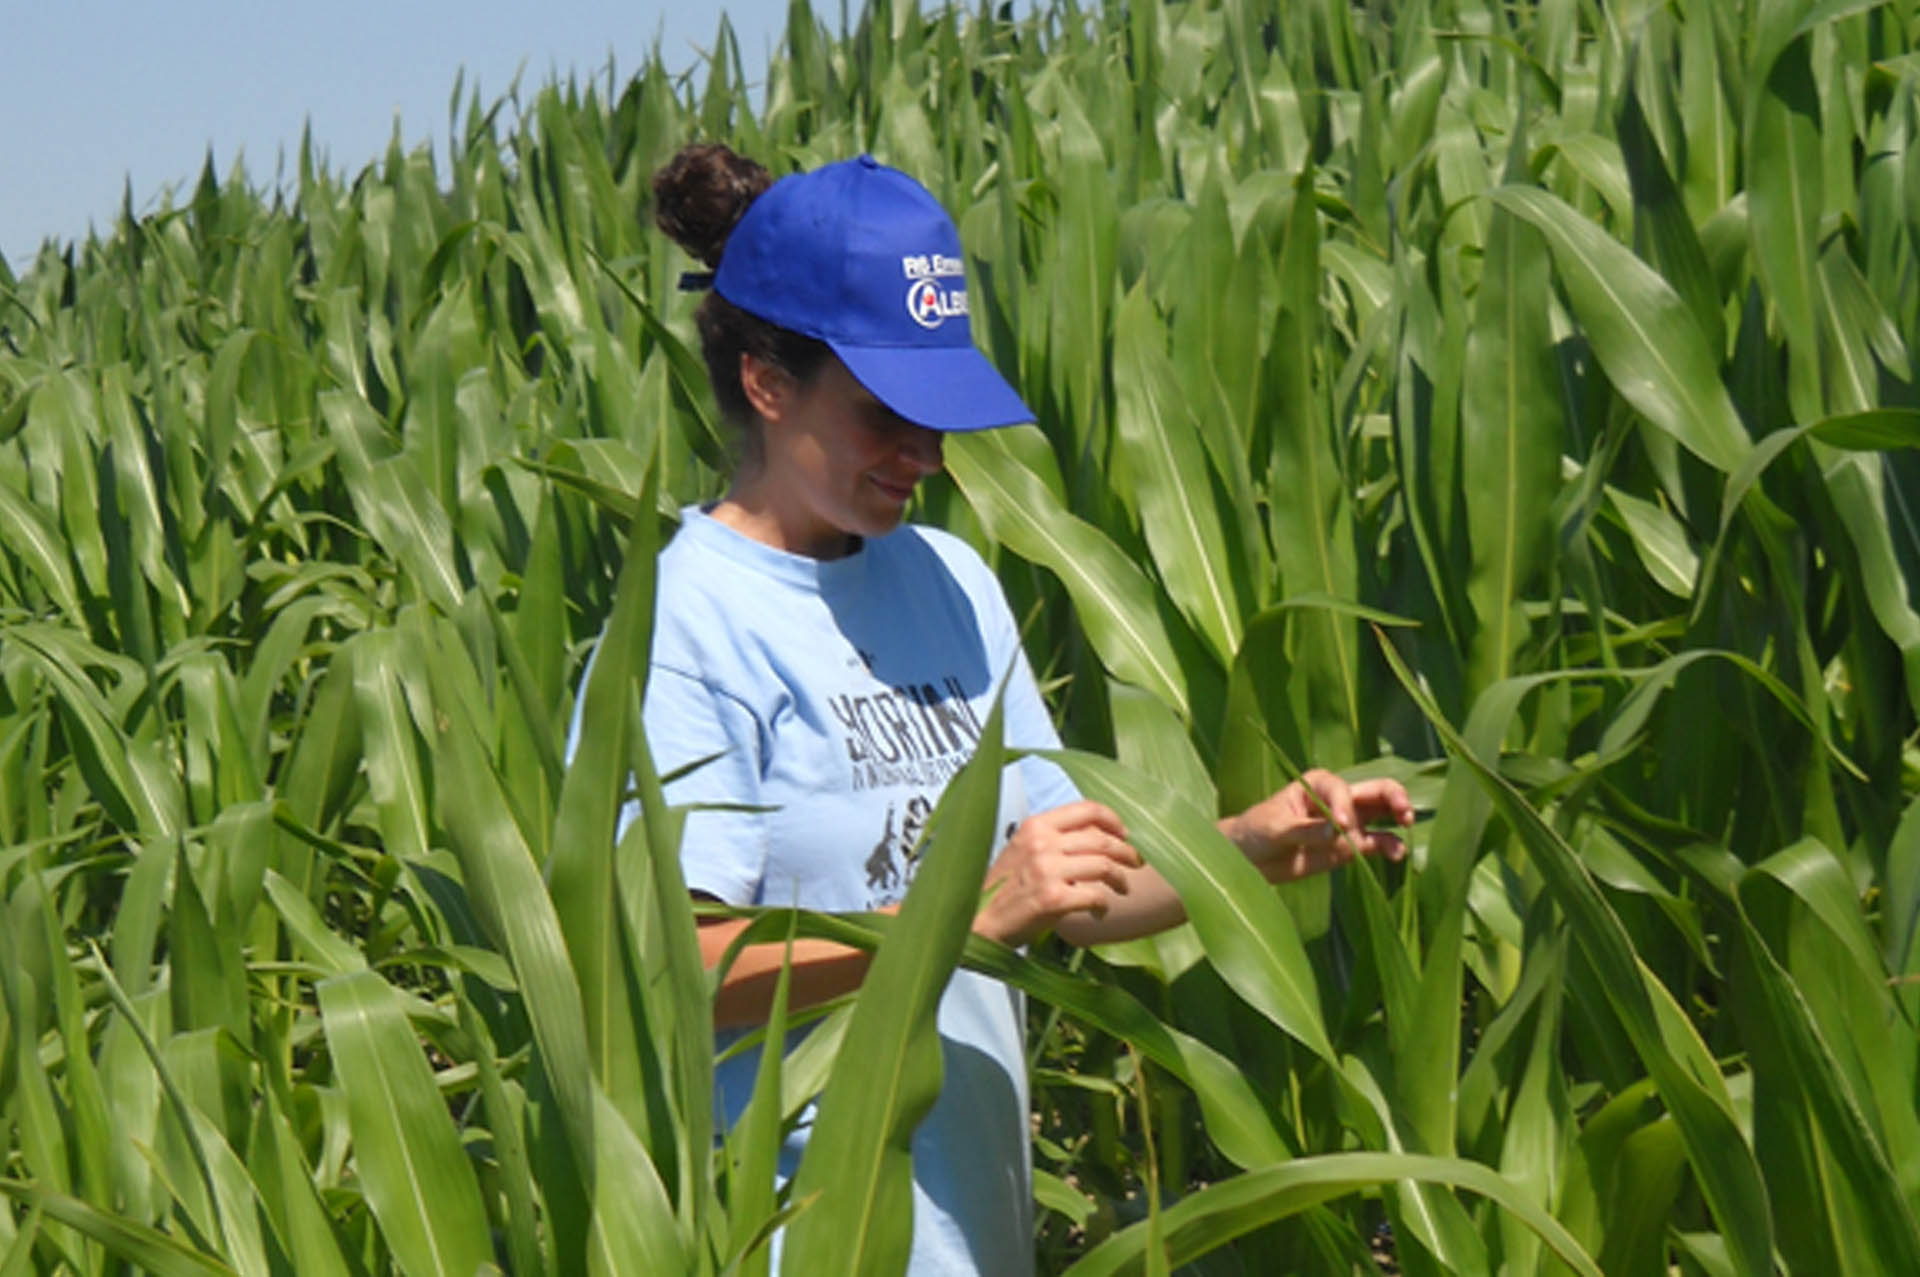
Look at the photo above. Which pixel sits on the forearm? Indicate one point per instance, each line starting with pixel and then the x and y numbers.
pixel 821 971
pixel 1149 904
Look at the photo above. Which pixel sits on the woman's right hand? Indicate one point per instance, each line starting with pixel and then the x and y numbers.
pixel 1071 859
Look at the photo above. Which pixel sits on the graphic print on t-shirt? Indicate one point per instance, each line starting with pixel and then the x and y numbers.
pixel 912 825
pixel 918 734
pixel 881 875
pixel 887 880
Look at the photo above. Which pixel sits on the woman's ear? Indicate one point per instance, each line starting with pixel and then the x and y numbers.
pixel 769 389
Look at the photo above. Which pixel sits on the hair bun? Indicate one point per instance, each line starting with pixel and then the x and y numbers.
pixel 701 194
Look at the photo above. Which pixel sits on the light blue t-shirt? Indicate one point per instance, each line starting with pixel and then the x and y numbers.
pixel 842 695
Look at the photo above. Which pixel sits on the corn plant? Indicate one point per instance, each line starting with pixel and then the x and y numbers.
pixel 1516 399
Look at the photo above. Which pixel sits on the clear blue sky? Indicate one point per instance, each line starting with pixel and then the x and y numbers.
pixel 96 93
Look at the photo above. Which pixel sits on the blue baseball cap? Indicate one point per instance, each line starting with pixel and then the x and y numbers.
pixel 863 258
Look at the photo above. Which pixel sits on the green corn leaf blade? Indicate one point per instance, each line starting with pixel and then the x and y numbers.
pixel 506 1114
pixel 18 1260
pixel 753 1146
pixel 1859 334
pixel 539 623
pixel 498 846
pixel 1218 356
pixel 1393 959
pixel 1836 1197
pixel 1900 916
pixel 580 874
pixel 692 394
pixel 1858 484
pixel 414 1173
pixel 1159 434
pixel 207 970
pixel 1239 1123
pixel 1659 541
pixel 1713 129
pixel 1640 1169
pixel 512 903
pixel 859 1156
pixel 1689 1081
pixel 66 405
pixel 1429 376
pixel 68 408
pixel 1817 879
pixel 138 492
pixel 133 1098
pixel 1645 337
pixel 44 1142
pixel 1313 527
pixel 445 343
pixel 1441 1236
pixel 1113 600
pixel 39 1137
pixel 1538 1123
pixel 1599 163
pixel 393 767
pixel 135 1242
pixel 1079 277
pixel 634 1231
pixel 221 778
pixel 1785 201
pixel 1511 424
pixel 223 408
pixel 323 763
pixel 1802 902
pixel 1246 930
pixel 1878 430
pixel 1055 1194
pixel 210 1186
pixel 235 1197
pixel 30 533
pixel 1261 746
pixel 1214 1216
pixel 1151 740
pixel 133 796
pixel 1663 224
pixel 85 1100
pixel 662 939
pixel 393 501
pixel 531 688
pixel 293 1207
pixel 309 931
pixel 136 923
pixel 610 471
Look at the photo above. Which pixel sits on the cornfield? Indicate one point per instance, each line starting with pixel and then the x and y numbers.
pixel 1517 399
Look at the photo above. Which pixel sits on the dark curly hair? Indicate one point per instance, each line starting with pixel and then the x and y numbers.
pixel 699 196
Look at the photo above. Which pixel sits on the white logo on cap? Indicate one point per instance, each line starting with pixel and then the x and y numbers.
pixel 931 305
pixel 931 301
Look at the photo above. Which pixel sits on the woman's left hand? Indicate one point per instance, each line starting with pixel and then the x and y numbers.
pixel 1320 822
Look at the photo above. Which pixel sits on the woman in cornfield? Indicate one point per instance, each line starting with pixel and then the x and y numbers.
pixel 834 666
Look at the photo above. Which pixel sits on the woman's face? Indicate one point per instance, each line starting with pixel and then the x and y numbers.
pixel 835 462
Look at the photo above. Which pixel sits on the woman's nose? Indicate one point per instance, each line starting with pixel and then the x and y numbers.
pixel 923 447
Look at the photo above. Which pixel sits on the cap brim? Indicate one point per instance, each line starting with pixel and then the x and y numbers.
pixel 943 388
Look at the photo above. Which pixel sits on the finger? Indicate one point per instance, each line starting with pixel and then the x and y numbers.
pixel 1336 798
pixel 1388 846
pixel 1308 859
pixel 1084 814
pixel 1383 799
pixel 1093 841
pixel 1093 868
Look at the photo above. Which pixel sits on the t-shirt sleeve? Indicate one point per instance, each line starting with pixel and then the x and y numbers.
pixel 1029 726
pixel 723 850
